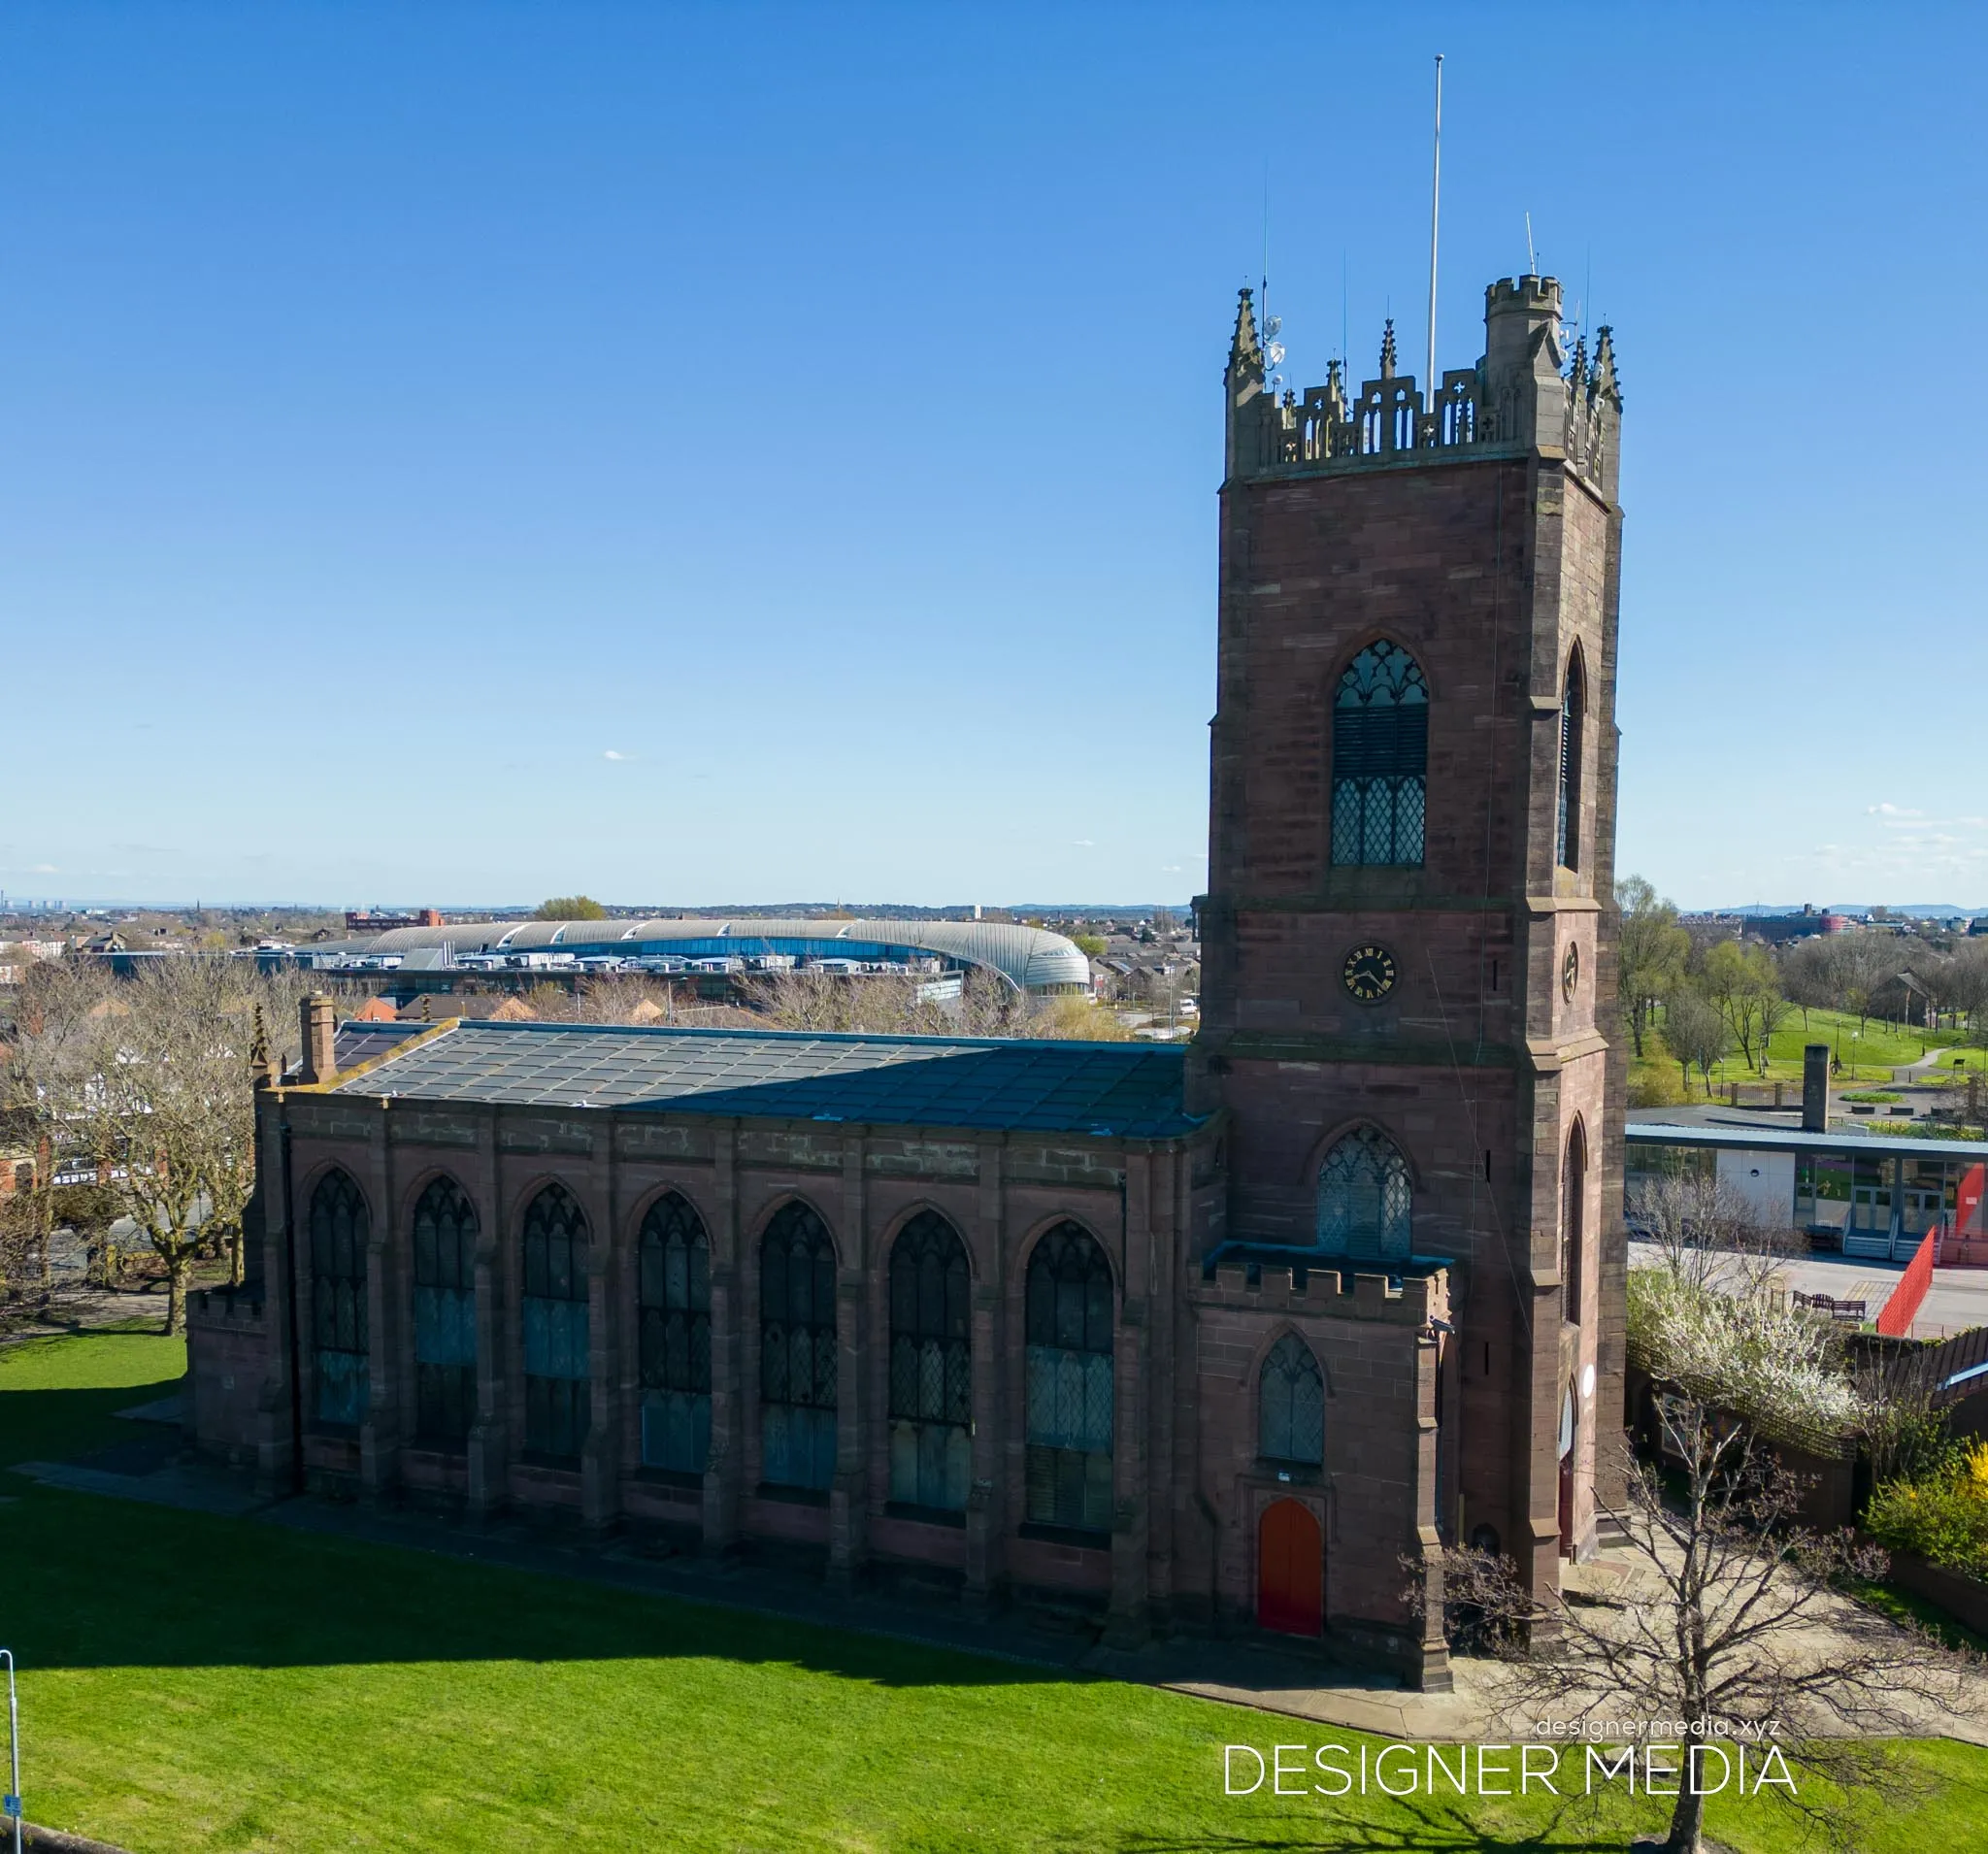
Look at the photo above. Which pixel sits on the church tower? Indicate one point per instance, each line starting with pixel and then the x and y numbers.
pixel 1408 940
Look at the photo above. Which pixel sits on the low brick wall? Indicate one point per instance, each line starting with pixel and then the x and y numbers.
pixel 1965 1598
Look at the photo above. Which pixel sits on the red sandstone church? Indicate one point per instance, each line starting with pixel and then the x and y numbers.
pixel 1210 1339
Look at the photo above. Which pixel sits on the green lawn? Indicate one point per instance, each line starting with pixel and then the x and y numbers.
pixel 198 1684
pixel 1868 1051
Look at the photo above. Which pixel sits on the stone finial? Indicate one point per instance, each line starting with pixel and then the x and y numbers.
pixel 1387 353
pixel 261 1069
pixel 1245 352
pixel 1603 384
pixel 1579 378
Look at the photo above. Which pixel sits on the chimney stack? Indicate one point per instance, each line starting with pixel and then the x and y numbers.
pixel 320 1029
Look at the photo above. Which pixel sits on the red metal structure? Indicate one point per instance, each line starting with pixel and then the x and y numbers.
pixel 1895 1321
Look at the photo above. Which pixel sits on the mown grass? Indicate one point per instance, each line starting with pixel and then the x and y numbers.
pixel 198 1684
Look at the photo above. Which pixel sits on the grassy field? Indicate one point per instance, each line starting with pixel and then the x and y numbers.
pixel 1868 1052
pixel 197 1683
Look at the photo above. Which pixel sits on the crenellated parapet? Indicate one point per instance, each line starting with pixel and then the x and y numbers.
pixel 1338 1289
pixel 1525 394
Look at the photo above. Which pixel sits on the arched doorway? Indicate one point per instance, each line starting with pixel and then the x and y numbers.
pixel 1290 1570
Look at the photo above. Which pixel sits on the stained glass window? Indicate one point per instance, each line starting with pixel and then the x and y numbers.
pixel 339 1231
pixel 797 1350
pixel 931 1365
pixel 444 1314
pixel 558 1400
pixel 1364 1197
pixel 1070 1392
pixel 676 1337
pixel 1291 1405
pixel 1380 759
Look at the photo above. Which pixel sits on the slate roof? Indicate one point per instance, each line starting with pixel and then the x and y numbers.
pixel 1105 1089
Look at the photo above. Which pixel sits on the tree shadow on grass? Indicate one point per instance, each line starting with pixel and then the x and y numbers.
pixel 1432 1828
pixel 87 1580
pixel 55 1424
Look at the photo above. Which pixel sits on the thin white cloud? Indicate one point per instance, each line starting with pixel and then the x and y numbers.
pixel 1083 843
pixel 1891 810
pixel 610 755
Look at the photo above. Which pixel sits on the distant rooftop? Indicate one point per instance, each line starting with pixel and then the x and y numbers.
pixel 1105 1089
pixel 1646 1128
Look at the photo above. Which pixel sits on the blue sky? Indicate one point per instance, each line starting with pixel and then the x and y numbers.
pixel 462 453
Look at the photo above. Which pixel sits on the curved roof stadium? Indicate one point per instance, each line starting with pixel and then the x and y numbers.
pixel 1029 958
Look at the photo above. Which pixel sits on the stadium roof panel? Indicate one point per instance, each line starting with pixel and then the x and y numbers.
pixel 1030 958
pixel 1117 1089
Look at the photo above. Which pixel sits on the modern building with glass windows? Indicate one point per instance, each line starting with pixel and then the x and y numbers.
pixel 1874 1195
pixel 1204 1338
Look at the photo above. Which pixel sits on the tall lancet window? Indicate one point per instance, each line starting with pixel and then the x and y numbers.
pixel 558 1394
pixel 1380 759
pixel 797 1350
pixel 1573 705
pixel 674 1288
pixel 931 1365
pixel 339 1233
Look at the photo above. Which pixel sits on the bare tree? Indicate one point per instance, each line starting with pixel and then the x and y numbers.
pixel 168 1108
pixel 1810 976
pixel 1704 1233
pixel 1736 1623
pixel 1652 952
pixel 42 1105
pixel 1696 1032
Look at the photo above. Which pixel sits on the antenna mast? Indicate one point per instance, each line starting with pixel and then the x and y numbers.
pixel 1435 209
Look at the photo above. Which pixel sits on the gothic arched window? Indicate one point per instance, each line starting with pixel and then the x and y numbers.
pixel 558 1398
pixel 1069 1381
pixel 1290 1416
pixel 444 1314
pixel 931 1365
pixel 797 1349
pixel 1380 758
pixel 1573 709
pixel 1364 1197
pixel 1573 1191
pixel 339 1231
pixel 676 1337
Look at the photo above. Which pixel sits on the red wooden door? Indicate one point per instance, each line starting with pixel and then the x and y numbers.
pixel 1290 1570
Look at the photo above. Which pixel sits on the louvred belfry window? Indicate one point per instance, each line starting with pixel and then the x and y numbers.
pixel 338 1232
pixel 797 1350
pixel 1572 706
pixel 931 1365
pixel 1070 1393
pixel 444 1314
pixel 1380 759
pixel 676 1337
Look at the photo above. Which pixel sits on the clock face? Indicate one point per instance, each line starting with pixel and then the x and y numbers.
pixel 1369 974
pixel 1570 973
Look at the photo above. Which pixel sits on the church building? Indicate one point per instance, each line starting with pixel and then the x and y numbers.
pixel 1215 1339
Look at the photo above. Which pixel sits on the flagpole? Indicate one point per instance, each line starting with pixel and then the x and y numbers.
pixel 1435 207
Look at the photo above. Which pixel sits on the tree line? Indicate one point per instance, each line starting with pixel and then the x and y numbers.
pixel 1706 996
pixel 133 1098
